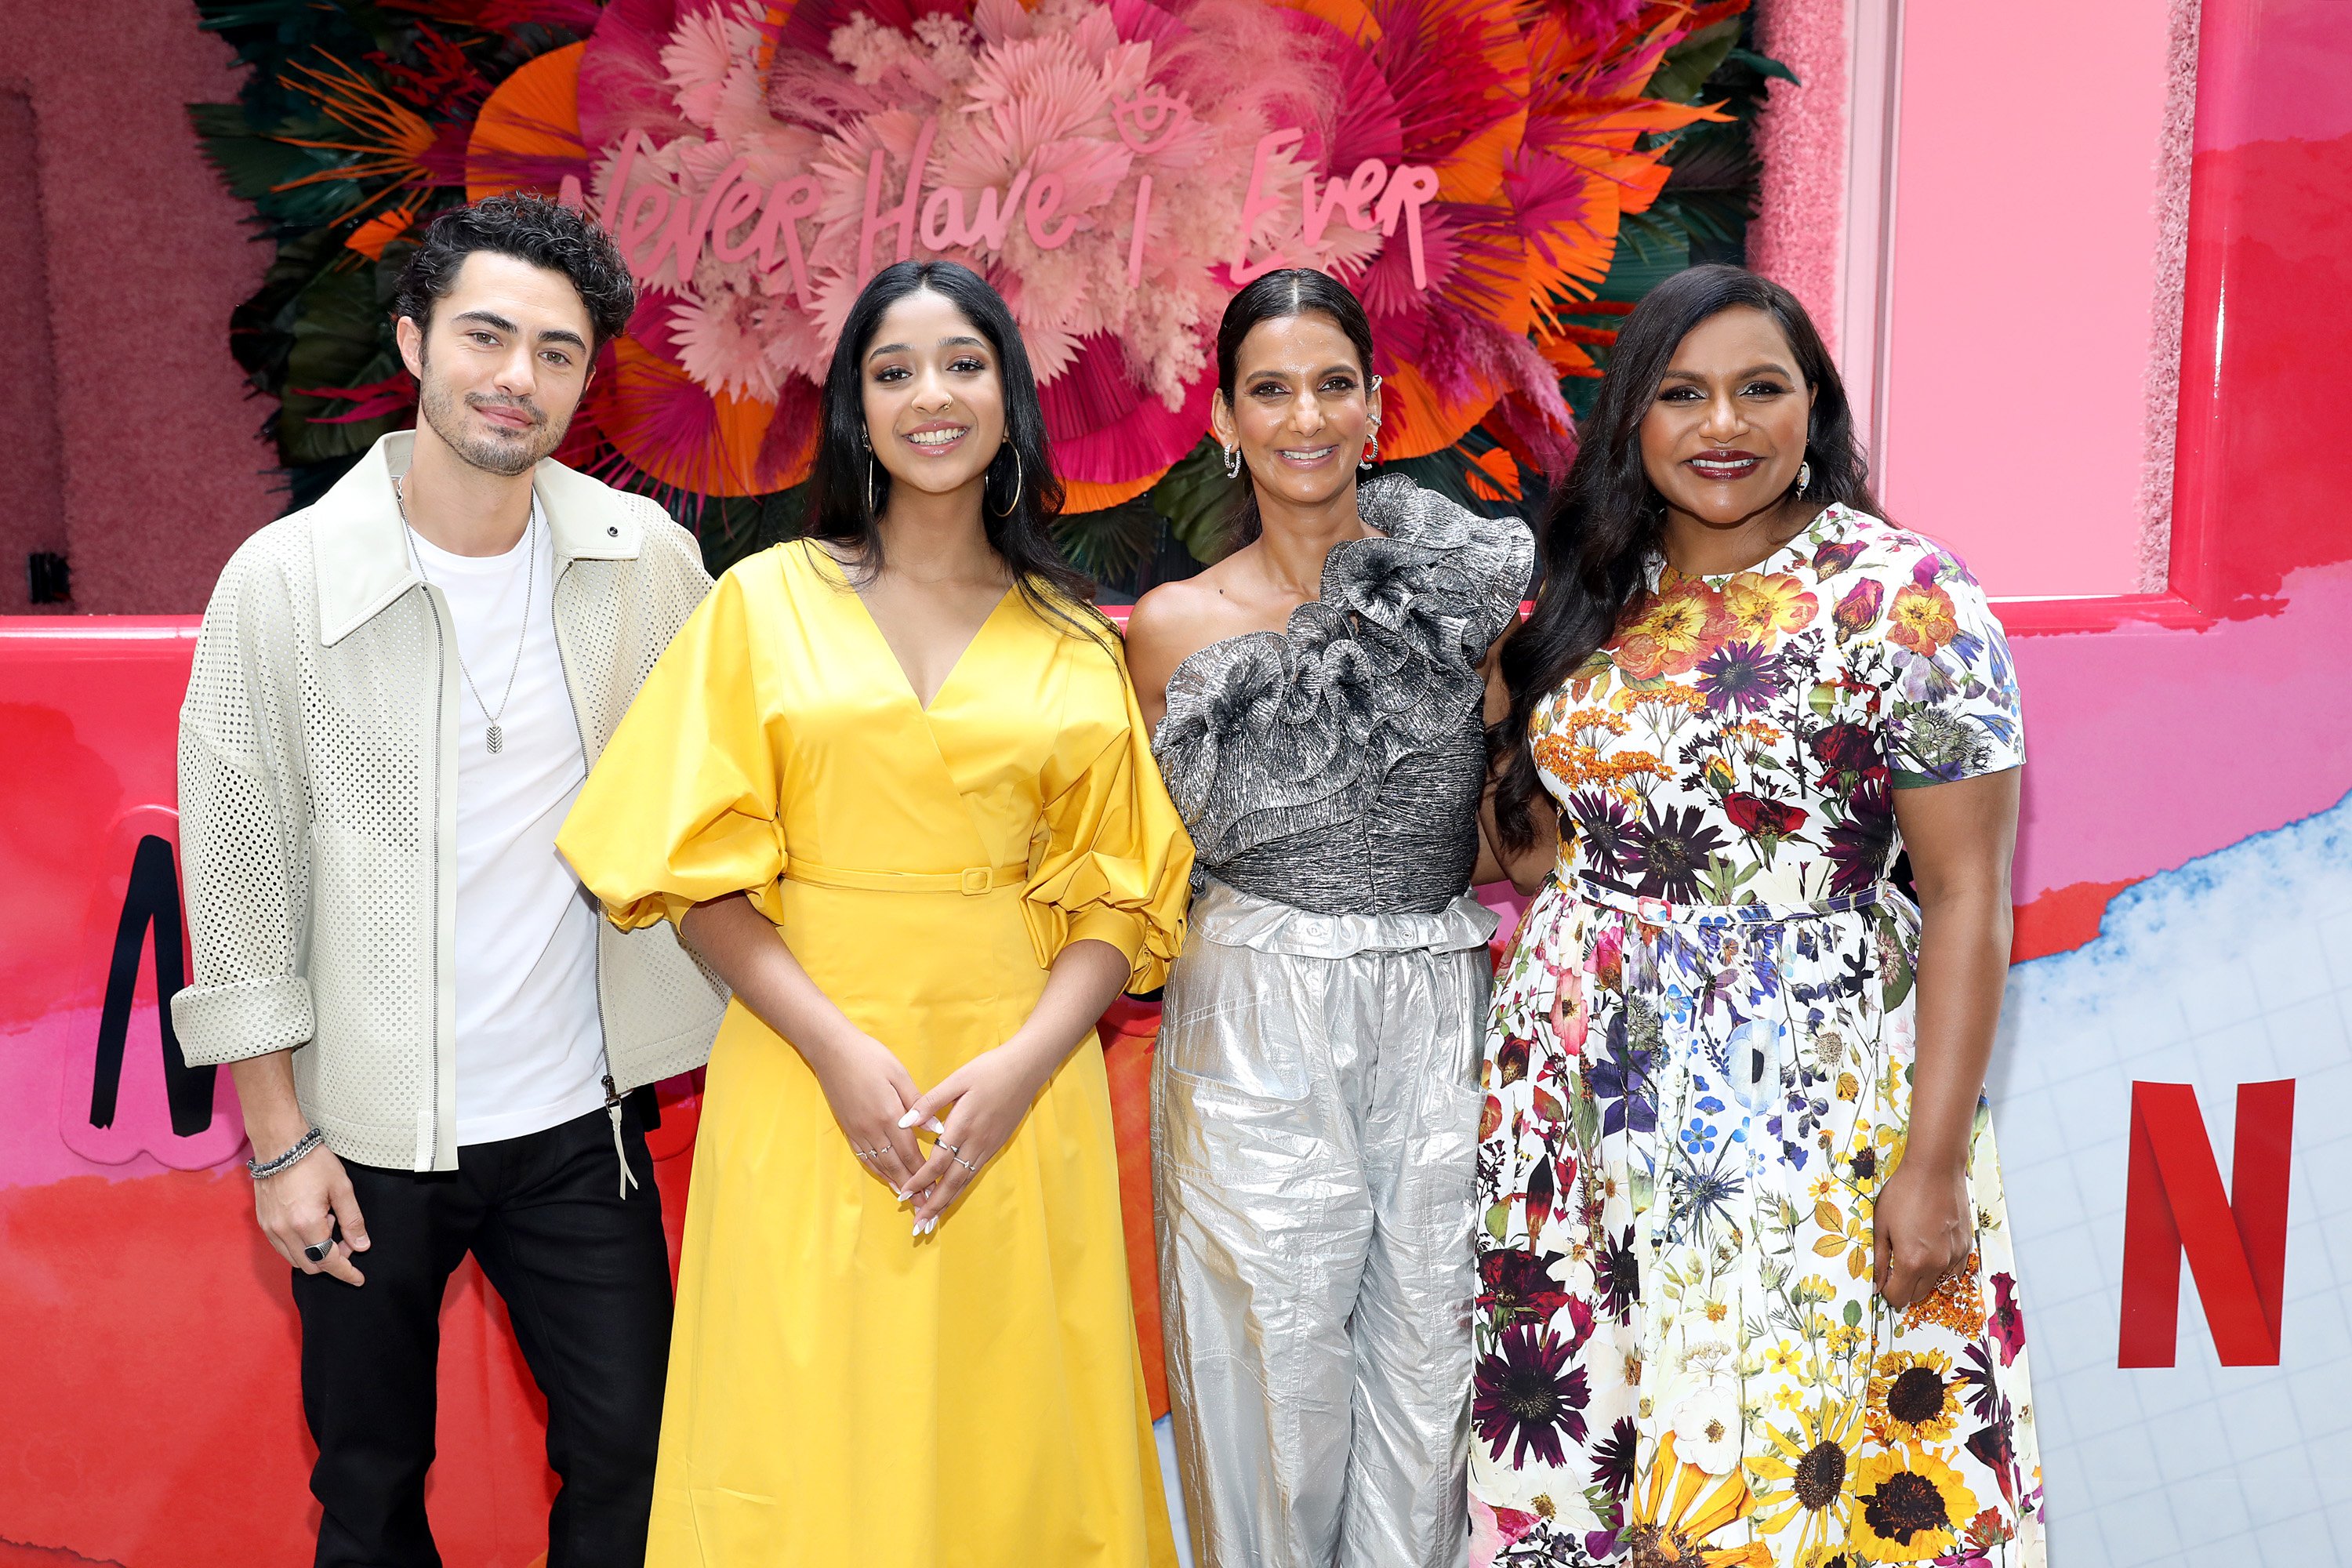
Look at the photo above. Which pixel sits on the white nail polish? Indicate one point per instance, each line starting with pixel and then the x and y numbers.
pixel 907 1120
pixel 938 1126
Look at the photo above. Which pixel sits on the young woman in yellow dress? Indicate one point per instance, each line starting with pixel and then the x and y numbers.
pixel 892 784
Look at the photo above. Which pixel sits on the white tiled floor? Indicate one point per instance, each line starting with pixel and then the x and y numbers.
pixel 2235 970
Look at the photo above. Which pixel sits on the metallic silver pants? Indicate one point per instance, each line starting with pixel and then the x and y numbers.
pixel 1315 1116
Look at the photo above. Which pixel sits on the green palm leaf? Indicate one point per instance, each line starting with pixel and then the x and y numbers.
pixel 1196 498
pixel 1112 543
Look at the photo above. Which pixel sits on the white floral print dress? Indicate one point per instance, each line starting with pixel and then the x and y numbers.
pixel 1698 1077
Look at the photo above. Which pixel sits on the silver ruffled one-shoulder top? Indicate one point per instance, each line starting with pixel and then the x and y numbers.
pixel 1336 766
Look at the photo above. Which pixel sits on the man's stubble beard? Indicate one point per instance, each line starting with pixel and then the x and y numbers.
pixel 445 410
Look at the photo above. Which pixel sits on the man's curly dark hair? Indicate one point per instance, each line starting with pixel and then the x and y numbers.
pixel 529 228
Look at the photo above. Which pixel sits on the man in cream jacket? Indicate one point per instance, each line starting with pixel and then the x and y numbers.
pixel 397 693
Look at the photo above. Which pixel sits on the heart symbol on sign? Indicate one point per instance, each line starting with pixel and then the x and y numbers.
pixel 1151 119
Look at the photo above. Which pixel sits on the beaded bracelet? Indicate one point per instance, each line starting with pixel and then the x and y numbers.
pixel 302 1145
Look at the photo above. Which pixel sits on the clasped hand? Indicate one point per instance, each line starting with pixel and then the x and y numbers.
pixel 972 1113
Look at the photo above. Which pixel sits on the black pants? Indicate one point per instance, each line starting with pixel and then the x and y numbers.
pixel 585 1278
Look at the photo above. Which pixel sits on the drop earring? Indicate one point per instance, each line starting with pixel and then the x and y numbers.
pixel 1371 448
pixel 1805 478
pixel 873 507
pixel 1234 462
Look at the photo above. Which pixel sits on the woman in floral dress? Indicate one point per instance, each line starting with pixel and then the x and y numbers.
pixel 1747 1290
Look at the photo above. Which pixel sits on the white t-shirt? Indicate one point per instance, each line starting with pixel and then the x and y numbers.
pixel 531 1041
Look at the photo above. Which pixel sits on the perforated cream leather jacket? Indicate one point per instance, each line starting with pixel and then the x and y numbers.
pixel 318 805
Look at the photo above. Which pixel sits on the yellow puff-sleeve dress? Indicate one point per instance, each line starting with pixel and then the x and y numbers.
pixel 841 1391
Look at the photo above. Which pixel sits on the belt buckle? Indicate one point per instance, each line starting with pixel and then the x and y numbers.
pixel 974 880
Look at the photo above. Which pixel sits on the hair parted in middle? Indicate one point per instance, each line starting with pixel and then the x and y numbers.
pixel 1286 292
pixel 1021 496
pixel 1607 520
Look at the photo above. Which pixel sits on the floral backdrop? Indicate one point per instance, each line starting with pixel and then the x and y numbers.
pixel 1498 179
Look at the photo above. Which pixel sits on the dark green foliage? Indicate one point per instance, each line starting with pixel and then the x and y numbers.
pixel 1196 499
pixel 320 322
pixel 1170 531
pixel 1702 214
pixel 733 527
pixel 1112 543
pixel 1711 193
pixel 1685 71
pixel 339 340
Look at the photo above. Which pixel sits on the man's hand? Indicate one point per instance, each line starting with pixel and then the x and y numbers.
pixel 303 1205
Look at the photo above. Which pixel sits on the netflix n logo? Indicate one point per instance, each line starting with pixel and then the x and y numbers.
pixel 2235 1241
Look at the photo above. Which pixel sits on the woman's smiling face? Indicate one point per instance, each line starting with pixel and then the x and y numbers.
pixel 933 396
pixel 1723 437
pixel 1303 407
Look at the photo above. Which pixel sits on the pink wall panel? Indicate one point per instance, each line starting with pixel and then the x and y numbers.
pixel 2024 283
pixel 1798 235
pixel 32 482
pixel 158 475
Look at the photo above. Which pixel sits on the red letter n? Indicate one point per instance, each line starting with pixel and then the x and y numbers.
pixel 2236 1241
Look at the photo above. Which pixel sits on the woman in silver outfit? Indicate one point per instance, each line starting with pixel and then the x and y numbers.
pixel 1315 1105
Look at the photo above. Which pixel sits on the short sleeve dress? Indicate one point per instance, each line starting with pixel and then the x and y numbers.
pixel 1697 1079
pixel 841 1390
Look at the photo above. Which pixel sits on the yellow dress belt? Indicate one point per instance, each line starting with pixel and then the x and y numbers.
pixel 972 881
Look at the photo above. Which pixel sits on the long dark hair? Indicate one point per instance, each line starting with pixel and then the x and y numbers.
pixel 1606 518
pixel 1290 292
pixel 1020 496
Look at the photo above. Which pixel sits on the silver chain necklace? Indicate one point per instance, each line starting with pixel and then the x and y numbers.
pixel 496 737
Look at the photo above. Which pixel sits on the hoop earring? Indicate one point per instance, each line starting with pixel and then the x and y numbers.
pixel 1018 476
pixel 1805 478
pixel 1372 449
pixel 873 507
pixel 1232 462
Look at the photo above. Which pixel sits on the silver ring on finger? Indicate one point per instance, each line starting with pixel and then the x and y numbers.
pixel 317 1251
pixel 964 1162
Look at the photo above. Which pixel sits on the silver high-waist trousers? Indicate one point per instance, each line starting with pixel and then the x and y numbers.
pixel 1315 1117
